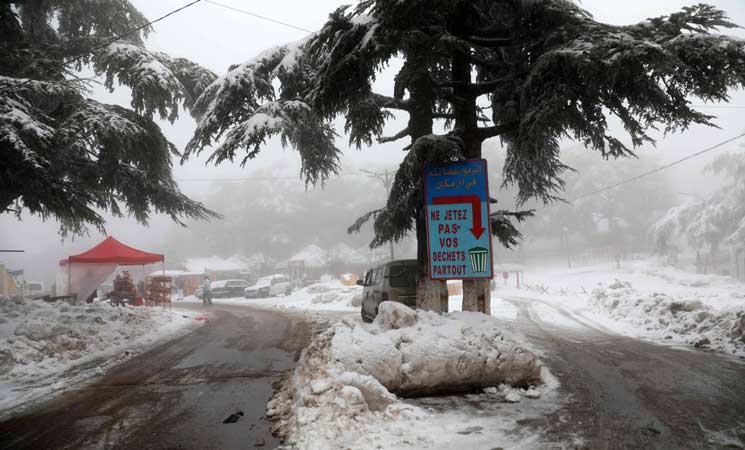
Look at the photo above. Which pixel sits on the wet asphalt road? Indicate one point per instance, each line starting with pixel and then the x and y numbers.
pixel 176 396
pixel 624 393
pixel 621 393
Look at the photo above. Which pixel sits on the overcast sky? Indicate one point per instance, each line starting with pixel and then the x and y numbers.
pixel 217 37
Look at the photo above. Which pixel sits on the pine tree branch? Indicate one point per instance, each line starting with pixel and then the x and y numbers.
pixel 489 42
pixel 497 130
pixel 477 89
pixel 385 101
pixel 400 135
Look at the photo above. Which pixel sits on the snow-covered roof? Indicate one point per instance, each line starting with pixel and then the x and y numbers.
pixel 312 255
pixel 175 273
pixel 235 263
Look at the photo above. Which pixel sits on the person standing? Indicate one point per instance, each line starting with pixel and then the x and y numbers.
pixel 206 291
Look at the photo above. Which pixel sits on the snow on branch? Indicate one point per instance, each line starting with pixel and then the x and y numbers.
pixel 241 110
pixel 643 74
pixel 348 52
pixel 159 83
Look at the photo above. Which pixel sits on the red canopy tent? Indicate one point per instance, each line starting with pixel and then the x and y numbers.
pixel 82 274
pixel 111 250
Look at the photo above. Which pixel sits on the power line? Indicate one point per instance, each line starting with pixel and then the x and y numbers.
pixel 658 169
pixel 258 178
pixel 720 106
pixel 130 32
pixel 112 40
pixel 259 16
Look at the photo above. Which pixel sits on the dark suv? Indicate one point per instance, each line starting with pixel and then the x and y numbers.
pixel 394 281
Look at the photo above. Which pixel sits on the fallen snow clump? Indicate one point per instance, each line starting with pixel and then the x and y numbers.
pixel 350 375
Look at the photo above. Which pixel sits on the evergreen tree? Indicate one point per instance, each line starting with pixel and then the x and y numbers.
pixel 709 224
pixel 618 218
pixel 547 68
pixel 66 156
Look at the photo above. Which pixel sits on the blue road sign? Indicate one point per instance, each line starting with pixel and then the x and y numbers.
pixel 457 196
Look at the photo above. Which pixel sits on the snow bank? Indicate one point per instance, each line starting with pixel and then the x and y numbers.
pixel 643 299
pixel 686 318
pixel 331 295
pixel 40 341
pixel 346 381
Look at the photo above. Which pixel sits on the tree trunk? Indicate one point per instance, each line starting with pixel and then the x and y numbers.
pixel 430 294
pixel 476 293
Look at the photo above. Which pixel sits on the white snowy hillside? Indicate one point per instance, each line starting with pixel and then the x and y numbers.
pixel 46 347
pixel 344 392
pixel 641 299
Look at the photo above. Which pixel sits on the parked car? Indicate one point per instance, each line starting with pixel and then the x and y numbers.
pixel 35 288
pixel 392 281
pixel 269 287
pixel 225 288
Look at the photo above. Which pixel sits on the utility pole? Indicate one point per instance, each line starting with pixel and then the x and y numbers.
pixel 386 178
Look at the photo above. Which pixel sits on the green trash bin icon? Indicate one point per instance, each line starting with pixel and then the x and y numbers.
pixel 479 257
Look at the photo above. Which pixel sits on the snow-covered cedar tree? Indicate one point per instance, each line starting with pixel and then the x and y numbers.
pixel 546 68
pixel 549 70
pixel 68 157
pixel 712 223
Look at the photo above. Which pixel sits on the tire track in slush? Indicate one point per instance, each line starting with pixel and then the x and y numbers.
pixel 623 393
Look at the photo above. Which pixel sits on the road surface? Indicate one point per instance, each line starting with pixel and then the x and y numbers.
pixel 620 393
pixel 177 396
pixel 623 393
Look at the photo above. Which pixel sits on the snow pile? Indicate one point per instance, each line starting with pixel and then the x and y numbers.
pixel 342 390
pixel 331 295
pixel 40 340
pixel 685 318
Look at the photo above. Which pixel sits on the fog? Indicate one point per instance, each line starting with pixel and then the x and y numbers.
pixel 267 207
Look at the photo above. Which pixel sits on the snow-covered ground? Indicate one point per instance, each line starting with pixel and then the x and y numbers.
pixel 341 394
pixel 329 295
pixel 49 347
pixel 641 299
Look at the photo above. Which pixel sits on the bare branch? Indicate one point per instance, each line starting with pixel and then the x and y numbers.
pixel 497 130
pixel 477 89
pixel 400 135
pixel 489 42
pixel 392 103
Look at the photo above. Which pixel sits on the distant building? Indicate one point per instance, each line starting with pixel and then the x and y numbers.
pixel 8 285
pixel 235 267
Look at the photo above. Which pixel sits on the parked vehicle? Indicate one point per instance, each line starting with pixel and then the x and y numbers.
pixel 225 288
pixel 269 286
pixel 35 289
pixel 392 281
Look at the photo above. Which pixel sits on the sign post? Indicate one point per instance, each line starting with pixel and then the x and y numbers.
pixel 458 237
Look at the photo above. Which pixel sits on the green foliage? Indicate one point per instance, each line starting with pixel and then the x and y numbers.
pixel 158 82
pixel 242 110
pixel 67 157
